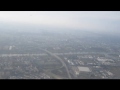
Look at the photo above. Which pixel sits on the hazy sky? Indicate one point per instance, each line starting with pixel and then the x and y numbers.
pixel 105 21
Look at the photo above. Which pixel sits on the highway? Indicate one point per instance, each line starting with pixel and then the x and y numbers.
pixel 44 54
pixel 63 63
pixel 11 55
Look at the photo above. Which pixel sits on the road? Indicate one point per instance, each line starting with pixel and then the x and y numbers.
pixel 44 54
pixel 63 63
pixel 11 55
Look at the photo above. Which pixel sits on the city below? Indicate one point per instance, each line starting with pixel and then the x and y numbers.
pixel 59 55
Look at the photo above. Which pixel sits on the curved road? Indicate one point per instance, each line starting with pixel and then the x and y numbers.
pixel 60 61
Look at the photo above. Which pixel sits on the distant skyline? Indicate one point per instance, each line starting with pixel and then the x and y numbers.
pixel 97 21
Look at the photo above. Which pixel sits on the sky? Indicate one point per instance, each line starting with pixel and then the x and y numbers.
pixel 96 21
